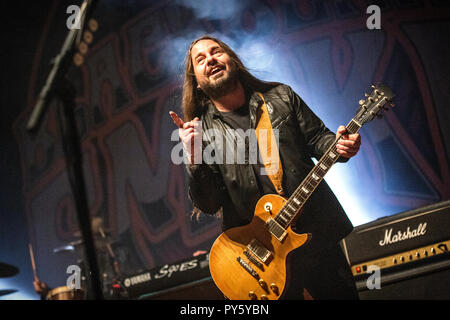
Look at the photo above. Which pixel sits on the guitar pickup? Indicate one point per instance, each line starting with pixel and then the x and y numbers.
pixel 276 230
pixel 259 250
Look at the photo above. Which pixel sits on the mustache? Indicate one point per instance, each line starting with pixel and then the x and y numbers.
pixel 222 86
pixel 211 68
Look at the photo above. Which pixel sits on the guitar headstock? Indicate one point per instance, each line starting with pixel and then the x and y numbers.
pixel 374 104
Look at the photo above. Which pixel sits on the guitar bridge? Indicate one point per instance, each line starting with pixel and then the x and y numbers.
pixel 248 268
pixel 253 260
pixel 259 250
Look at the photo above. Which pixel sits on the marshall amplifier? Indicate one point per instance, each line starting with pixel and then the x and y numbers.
pixel 185 279
pixel 404 256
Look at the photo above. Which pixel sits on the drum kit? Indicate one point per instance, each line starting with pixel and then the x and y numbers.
pixel 106 259
pixel 64 292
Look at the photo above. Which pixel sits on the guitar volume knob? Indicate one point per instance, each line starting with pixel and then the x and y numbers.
pixel 262 283
pixel 274 288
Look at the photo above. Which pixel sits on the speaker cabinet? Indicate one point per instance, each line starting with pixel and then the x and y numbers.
pixel 404 256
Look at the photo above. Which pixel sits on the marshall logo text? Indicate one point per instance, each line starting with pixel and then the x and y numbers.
pixel 401 236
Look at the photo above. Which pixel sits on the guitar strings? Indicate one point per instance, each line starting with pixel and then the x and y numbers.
pixel 298 194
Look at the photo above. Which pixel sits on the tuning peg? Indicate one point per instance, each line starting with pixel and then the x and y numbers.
pixel 366 95
pixel 372 86
pixel 361 102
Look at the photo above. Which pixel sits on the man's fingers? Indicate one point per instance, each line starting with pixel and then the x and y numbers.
pixel 347 149
pixel 346 154
pixel 185 132
pixel 346 136
pixel 356 137
pixel 190 137
pixel 353 137
pixel 176 119
pixel 341 130
pixel 349 143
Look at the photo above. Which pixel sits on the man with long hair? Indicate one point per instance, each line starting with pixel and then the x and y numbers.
pixel 220 94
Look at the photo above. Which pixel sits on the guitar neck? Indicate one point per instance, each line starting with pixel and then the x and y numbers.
pixel 296 201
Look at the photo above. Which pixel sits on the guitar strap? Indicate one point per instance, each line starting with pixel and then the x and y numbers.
pixel 268 148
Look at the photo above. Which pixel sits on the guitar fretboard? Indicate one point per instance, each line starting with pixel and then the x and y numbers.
pixel 296 201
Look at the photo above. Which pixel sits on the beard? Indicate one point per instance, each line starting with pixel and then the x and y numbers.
pixel 222 86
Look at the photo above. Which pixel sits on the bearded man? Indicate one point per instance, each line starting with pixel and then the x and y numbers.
pixel 220 93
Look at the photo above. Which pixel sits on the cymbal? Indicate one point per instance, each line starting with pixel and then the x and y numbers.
pixel 71 246
pixel 7 291
pixel 63 249
pixel 7 270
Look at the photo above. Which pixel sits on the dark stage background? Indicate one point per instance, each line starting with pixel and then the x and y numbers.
pixel 131 78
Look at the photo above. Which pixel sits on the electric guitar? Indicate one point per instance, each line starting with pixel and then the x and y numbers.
pixel 249 262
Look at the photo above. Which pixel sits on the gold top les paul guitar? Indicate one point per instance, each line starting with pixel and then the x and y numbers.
pixel 249 262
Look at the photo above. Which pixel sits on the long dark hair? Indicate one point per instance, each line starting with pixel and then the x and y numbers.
pixel 194 99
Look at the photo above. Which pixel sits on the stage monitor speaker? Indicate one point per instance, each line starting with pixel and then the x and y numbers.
pixel 404 256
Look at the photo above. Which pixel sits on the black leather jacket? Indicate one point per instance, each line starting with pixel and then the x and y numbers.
pixel 302 135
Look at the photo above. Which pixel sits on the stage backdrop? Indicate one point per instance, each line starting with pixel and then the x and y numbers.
pixel 132 76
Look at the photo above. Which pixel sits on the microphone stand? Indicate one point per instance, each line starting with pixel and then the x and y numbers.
pixel 57 85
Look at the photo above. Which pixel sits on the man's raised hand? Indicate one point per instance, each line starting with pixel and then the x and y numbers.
pixel 190 135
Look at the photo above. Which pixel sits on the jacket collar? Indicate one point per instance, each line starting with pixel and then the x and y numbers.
pixel 254 103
